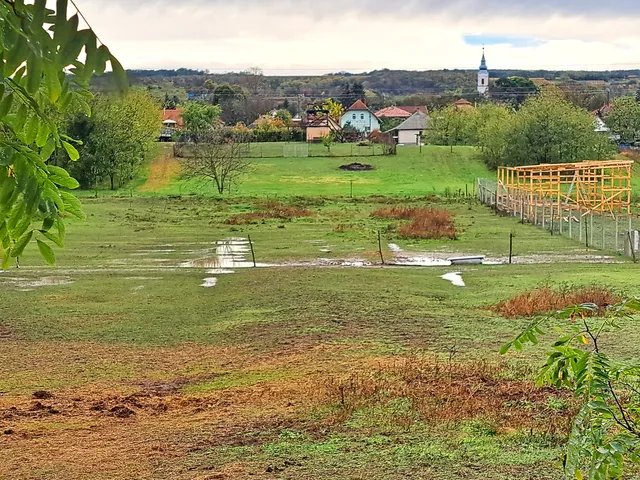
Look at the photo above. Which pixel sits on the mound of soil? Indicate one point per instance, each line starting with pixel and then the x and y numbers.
pixel 357 167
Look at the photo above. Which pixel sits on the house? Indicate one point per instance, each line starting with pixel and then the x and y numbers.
pixel 393 112
pixel 463 104
pixel 319 124
pixel 361 118
pixel 171 123
pixel 410 131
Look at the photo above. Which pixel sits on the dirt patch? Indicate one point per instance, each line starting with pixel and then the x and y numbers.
pixel 423 223
pixel 161 172
pixel 270 210
pixel 545 300
pixel 42 395
pixel 357 167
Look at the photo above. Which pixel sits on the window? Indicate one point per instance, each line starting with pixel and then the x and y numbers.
pixel 483 81
pixel 354 116
pixel 362 116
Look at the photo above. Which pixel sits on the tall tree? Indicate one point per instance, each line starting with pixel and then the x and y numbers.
pixel 200 118
pixel 624 119
pixel 547 129
pixel 514 90
pixel 451 126
pixel 38 46
pixel 116 138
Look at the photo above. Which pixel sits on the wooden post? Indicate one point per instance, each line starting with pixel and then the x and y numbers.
pixel 591 228
pixel 253 254
pixel 510 248
pixel 380 247
pixel 570 223
pixel 602 219
pixel 351 194
pixel 544 201
pixel 633 251
pixel 580 223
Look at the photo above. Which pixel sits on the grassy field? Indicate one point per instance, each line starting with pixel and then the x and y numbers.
pixel 322 363
pixel 435 170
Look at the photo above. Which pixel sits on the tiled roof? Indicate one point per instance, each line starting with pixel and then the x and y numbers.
pixel 173 115
pixel 393 112
pixel 414 109
pixel 359 105
pixel 463 101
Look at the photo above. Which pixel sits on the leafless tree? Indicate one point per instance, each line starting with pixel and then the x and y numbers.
pixel 253 79
pixel 218 158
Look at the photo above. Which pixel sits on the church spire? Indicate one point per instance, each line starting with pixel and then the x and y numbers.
pixel 483 63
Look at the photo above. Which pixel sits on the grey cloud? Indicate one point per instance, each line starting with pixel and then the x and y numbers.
pixel 462 8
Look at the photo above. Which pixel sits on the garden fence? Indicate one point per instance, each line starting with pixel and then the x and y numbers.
pixel 615 232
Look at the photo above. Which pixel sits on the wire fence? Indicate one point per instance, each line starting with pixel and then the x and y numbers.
pixel 615 232
pixel 297 150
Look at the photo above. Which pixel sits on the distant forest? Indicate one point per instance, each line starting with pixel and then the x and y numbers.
pixel 244 96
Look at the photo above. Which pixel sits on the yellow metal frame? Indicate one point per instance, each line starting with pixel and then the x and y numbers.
pixel 593 186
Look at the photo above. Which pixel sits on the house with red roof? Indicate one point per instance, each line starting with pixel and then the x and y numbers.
pixel 463 104
pixel 171 123
pixel 401 112
pixel 361 118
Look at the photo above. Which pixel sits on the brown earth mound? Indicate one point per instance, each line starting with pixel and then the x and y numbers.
pixel 357 167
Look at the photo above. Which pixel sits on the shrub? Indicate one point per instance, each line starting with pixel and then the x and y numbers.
pixel 546 300
pixel 424 223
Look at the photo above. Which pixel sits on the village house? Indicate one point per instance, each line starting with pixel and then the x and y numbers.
pixel 319 124
pixel 463 104
pixel 361 118
pixel 400 112
pixel 171 123
pixel 410 131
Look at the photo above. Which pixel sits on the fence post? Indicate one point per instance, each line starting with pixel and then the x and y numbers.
pixel 510 248
pixel 602 219
pixel 591 228
pixel 570 223
pixel 380 247
pixel 253 254
pixel 617 232
pixel 561 216
pixel 544 202
pixel 580 223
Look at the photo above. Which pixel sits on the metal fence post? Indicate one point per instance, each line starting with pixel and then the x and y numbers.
pixel 591 228
pixel 617 232
pixel 580 223
pixel 603 218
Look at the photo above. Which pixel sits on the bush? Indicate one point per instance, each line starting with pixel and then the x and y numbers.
pixel 425 223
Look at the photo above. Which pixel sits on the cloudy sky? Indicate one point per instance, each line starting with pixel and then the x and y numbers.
pixel 319 36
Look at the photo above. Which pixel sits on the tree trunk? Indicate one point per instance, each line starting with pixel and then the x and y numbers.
pixel 112 182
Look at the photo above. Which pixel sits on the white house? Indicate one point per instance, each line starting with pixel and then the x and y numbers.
pixel 361 118
pixel 483 76
pixel 410 131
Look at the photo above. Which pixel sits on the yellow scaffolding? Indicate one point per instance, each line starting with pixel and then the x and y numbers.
pixel 587 187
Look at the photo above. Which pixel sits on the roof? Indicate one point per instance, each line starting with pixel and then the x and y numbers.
pixel 417 121
pixel 414 109
pixel 325 121
pixel 174 116
pixel 603 111
pixel 483 63
pixel 393 112
pixel 463 101
pixel 358 105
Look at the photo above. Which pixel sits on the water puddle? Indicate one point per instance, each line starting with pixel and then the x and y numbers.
pixel 209 282
pixel 444 259
pixel 455 278
pixel 27 284
pixel 228 255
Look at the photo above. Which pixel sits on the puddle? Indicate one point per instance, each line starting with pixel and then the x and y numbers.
pixel 455 278
pixel 26 284
pixel 229 254
pixel 219 271
pixel 209 282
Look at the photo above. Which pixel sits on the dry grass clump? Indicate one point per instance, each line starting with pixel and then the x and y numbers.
pixel 270 209
pixel 424 223
pixel 546 299
pixel 442 392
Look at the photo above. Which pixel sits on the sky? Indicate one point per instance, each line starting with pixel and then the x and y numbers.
pixel 298 37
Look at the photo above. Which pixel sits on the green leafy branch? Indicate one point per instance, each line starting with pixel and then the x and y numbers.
pixel 605 435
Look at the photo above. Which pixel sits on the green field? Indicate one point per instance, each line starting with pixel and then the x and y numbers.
pixel 322 363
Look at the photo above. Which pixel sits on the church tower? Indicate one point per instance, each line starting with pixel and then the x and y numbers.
pixel 483 76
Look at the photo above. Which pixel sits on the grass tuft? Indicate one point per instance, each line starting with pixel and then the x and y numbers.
pixel 546 300
pixel 424 223
pixel 270 209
